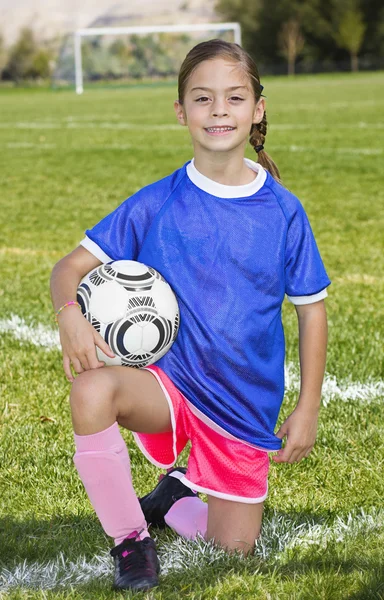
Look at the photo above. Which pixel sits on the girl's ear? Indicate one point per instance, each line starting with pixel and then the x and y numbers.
pixel 179 110
pixel 259 111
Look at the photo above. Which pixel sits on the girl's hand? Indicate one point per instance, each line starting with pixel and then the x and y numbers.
pixel 79 340
pixel 300 428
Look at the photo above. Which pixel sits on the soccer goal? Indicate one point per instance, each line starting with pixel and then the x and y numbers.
pixel 178 29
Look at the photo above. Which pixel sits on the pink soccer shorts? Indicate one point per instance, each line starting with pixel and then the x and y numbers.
pixel 217 465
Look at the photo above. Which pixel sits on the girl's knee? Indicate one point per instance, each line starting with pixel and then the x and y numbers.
pixel 92 394
pixel 89 385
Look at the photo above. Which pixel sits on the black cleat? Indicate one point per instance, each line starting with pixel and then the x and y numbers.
pixel 157 503
pixel 136 564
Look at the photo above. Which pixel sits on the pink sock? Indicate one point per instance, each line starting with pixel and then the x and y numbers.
pixel 188 517
pixel 103 464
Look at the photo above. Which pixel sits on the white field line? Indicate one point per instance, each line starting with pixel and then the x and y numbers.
pixel 280 533
pixel 18 145
pixel 38 335
pixel 364 151
pixel 48 338
pixel 90 125
pixel 93 147
pixel 29 251
pixel 306 126
pixel 291 148
pixel 170 126
pixel 333 389
pixel 325 105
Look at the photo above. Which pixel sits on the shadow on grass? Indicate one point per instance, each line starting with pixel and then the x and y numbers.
pixel 45 540
pixel 81 535
pixel 80 538
pixel 373 590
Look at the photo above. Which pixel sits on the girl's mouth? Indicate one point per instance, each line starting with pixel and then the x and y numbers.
pixel 219 130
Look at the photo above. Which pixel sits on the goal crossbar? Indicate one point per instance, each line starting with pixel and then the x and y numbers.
pixel 92 31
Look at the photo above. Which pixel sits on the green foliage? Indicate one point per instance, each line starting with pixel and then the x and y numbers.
pixel 134 57
pixel 3 54
pixel 28 59
pixel 291 42
pixel 318 20
pixel 351 33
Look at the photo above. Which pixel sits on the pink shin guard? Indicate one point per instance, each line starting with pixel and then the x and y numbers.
pixel 102 462
pixel 188 517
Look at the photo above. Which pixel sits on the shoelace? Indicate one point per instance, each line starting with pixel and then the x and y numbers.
pixel 133 555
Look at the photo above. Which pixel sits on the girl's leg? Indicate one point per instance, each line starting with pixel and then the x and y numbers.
pixel 132 397
pixel 188 517
pixel 101 399
pixel 234 525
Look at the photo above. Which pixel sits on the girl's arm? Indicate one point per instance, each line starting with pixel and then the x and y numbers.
pixel 301 425
pixel 77 336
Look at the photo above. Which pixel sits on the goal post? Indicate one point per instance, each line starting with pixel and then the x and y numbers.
pixel 96 31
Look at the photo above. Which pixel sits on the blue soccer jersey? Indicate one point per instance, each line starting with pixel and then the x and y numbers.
pixel 230 253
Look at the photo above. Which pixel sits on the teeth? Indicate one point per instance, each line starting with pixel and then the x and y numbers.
pixel 213 129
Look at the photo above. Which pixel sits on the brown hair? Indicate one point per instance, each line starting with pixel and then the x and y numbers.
pixel 221 49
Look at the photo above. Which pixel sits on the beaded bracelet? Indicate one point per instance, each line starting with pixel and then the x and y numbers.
pixel 70 303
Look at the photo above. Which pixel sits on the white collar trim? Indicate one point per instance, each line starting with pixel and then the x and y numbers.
pixel 228 191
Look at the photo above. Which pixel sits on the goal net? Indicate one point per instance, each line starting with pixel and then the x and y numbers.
pixel 119 54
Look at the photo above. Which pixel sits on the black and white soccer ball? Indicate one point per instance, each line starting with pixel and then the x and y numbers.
pixel 133 308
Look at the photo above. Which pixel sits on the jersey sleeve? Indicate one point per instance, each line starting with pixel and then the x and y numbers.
pixel 306 279
pixel 119 235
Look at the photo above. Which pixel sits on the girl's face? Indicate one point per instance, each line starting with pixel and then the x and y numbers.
pixel 219 107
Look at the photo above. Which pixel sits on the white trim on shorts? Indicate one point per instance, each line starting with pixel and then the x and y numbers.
pixel 183 479
pixel 243 499
pixel 173 422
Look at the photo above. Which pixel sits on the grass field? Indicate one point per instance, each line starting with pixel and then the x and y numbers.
pixel 66 162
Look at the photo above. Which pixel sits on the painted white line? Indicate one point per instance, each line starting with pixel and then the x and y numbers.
pixel 18 145
pixel 290 148
pixel 280 533
pixel 306 126
pixel 57 573
pixel 294 148
pixel 29 251
pixel 359 278
pixel 72 124
pixel 325 105
pixel 91 125
pixel 38 335
pixel 346 390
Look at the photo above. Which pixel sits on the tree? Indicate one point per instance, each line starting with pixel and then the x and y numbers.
pixel 28 59
pixel 351 35
pixel 291 42
pixel 3 55
pixel 262 22
pixel 21 55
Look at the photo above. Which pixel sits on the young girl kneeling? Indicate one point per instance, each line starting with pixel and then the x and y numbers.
pixel 232 242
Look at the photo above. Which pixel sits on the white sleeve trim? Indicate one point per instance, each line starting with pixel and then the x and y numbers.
pixel 300 300
pixel 94 249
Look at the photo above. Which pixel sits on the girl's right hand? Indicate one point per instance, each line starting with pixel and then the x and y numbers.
pixel 78 341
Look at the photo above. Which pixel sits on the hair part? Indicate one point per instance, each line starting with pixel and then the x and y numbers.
pixel 220 49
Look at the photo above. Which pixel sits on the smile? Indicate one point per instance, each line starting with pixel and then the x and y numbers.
pixel 219 130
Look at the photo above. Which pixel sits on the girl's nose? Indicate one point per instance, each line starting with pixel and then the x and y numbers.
pixel 219 109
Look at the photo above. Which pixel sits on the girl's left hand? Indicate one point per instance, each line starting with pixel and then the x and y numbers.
pixel 300 428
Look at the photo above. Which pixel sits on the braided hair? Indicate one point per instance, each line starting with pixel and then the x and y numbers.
pixel 257 139
pixel 221 49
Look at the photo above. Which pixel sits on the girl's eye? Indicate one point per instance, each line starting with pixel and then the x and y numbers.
pixel 237 98
pixel 202 99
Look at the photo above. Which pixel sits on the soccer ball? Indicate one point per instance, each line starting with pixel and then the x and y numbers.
pixel 133 308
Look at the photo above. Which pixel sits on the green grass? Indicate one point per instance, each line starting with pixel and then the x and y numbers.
pixel 66 162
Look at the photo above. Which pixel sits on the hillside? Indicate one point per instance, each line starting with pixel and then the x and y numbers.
pixel 50 18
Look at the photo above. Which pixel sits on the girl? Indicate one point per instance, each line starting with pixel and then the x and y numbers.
pixel 231 241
